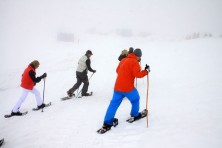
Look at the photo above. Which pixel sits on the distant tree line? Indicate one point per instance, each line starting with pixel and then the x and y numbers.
pixel 197 35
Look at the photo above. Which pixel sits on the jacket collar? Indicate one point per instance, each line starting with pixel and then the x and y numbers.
pixel 131 55
pixel 32 67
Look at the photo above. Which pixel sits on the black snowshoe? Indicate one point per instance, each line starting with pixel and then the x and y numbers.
pixel 70 96
pixel 107 127
pixel 85 94
pixel 16 114
pixel 42 106
pixel 140 116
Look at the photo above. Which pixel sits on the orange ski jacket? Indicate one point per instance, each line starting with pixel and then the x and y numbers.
pixel 127 70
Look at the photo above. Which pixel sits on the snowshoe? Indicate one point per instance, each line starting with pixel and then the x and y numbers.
pixel 140 116
pixel 16 114
pixel 68 97
pixel 42 106
pixel 85 94
pixel 107 127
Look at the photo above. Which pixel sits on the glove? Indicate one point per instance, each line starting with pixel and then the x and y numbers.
pixel 44 75
pixel 94 71
pixel 147 67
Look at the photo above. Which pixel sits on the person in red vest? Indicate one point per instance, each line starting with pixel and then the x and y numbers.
pixel 28 83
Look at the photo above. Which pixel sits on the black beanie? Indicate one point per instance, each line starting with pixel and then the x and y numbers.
pixel 89 52
pixel 138 52
pixel 130 50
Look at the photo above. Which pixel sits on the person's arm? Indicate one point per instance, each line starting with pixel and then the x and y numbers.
pixel 120 57
pixel 34 79
pixel 137 71
pixel 88 64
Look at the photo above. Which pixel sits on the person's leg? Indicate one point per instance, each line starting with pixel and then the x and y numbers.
pixel 38 98
pixel 113 106
pixel 21 100
pixel 75 86
pixel 85 80
pixel 134 99
pixel 1 142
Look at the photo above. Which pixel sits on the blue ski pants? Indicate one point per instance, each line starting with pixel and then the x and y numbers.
pixel 133 97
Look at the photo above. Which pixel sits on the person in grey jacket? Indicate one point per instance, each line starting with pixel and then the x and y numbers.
pixel 84 65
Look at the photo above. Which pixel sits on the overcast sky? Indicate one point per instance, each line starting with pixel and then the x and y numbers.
pixel 154 16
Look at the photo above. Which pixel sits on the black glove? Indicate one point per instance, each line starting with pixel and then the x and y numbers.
pixel 147 67
pixel 44 75
pixel 94 71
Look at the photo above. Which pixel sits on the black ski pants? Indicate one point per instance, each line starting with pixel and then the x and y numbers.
pixel 81 78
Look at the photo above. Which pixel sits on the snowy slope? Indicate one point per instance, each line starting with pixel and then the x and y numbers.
pixel 184 97
pixel 185 79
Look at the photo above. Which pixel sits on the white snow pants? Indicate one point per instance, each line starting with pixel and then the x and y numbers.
pixel 25 93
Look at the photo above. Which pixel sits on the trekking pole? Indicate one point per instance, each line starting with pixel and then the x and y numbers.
pixel 136 78
pixel 147 100
pixel 81 89
pixel 91 76
pixel 77 90
pixel 43 94
pixel 136 83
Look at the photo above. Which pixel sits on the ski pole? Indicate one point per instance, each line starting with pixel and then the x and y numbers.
pixel 147 100
pixel 81 89
pixel 43 94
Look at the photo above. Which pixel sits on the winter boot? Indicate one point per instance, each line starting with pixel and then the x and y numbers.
pixel 41 106
pixel 142 114
pixel 104 129
pixel 107 127
pixel 115 122
pixel 16 113
pixel 69 94
pixel 86 94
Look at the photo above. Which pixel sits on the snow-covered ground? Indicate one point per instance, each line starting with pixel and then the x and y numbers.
pixel 184 97
pixel 185 80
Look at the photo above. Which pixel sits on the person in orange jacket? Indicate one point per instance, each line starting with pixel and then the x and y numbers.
pixel 28 83
pixel 127 70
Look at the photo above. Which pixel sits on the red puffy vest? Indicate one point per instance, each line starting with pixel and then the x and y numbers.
pixel 26 81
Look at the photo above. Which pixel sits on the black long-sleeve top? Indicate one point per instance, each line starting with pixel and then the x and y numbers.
pixel 88 64
pixel 33 77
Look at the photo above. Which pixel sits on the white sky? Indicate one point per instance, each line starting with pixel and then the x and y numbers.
pixel 155 16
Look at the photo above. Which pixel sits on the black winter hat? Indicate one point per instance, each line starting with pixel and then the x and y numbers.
pixel 89 52
pixel 131 50
pixel 138 52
